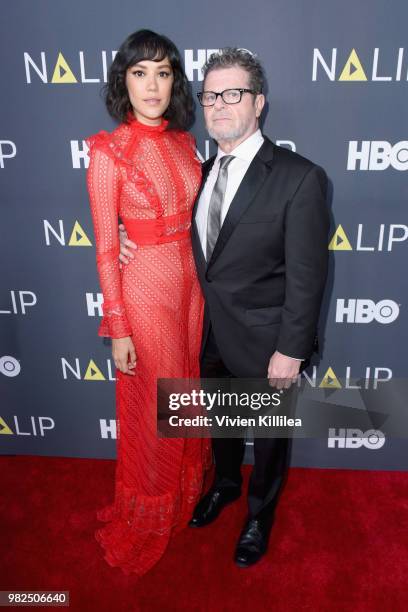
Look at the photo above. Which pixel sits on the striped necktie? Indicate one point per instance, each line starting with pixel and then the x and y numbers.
pixel 215 206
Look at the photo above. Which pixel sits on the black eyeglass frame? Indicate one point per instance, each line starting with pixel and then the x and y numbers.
pixel 241 90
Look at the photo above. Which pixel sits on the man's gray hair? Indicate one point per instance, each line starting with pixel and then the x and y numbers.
pixel 232 56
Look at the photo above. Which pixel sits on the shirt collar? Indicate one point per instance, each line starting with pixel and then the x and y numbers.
pixel 247 149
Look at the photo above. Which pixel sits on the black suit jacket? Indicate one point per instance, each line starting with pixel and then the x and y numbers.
pixel 264 283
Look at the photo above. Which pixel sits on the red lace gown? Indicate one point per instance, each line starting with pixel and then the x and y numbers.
pixel 149 177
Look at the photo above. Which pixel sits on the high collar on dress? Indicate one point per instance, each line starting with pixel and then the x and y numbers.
pixel 143 127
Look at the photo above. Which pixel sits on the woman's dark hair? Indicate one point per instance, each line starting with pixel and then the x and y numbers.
pixel 147 45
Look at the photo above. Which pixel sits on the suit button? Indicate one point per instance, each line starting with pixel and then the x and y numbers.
pixel 208 279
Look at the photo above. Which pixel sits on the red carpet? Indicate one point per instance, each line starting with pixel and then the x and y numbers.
pixel 340 542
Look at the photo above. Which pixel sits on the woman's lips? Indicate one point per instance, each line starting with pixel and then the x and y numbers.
pixel 152 101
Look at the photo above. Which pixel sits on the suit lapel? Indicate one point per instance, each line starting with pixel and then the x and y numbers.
pixel 195 239
pixel 251 183
pixel 206 167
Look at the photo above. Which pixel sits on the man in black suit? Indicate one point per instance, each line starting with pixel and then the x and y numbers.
pixel 259 233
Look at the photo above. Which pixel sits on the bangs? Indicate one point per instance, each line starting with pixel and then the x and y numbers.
pixel 153 49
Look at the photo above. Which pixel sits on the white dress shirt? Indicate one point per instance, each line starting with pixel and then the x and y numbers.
pixel 244 153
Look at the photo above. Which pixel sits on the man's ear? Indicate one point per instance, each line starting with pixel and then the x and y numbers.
pixel 259 104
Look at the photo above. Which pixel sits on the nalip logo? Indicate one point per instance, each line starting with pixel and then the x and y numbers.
pixel 374 67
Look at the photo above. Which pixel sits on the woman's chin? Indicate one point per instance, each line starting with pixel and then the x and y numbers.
pixel 150 118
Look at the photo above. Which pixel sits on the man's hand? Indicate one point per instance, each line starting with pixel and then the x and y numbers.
pixel 125 246
pixel 124 354
pixel 282 370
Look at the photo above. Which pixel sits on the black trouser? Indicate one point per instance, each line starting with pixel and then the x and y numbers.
pixel 271 455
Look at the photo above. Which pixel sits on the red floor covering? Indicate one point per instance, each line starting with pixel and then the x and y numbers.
pixel 340 542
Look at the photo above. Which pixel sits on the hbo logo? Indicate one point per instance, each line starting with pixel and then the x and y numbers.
pixel 366 311
pixel 377 155
pixel 9 366
pixel 355 438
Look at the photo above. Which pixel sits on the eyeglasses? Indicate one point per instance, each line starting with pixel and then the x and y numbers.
pixel 229 96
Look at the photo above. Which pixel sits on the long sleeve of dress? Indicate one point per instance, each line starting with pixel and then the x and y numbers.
pixel 103 182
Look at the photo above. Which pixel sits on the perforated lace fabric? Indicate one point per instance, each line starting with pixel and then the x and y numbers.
pixel 140 172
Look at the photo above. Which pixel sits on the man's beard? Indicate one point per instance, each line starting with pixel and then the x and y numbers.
pixel 228 133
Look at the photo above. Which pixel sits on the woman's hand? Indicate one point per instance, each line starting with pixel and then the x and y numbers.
pixel 124 354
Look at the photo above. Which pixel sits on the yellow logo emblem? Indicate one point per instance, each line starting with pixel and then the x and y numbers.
pixel 93 372
pixel 340 242
pixel 78 237
pixel 62 72
pixel 330 380
pixel 353 70
pixel 4 428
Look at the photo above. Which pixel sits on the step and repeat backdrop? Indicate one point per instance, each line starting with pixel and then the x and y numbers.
pixel 337 94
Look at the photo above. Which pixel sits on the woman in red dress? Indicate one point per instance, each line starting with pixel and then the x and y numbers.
pixel 146 173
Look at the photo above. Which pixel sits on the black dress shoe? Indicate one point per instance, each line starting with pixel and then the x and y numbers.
pixel 253 541
pixel 210 506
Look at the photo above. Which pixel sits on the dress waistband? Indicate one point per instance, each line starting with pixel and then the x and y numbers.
pixel 159 231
